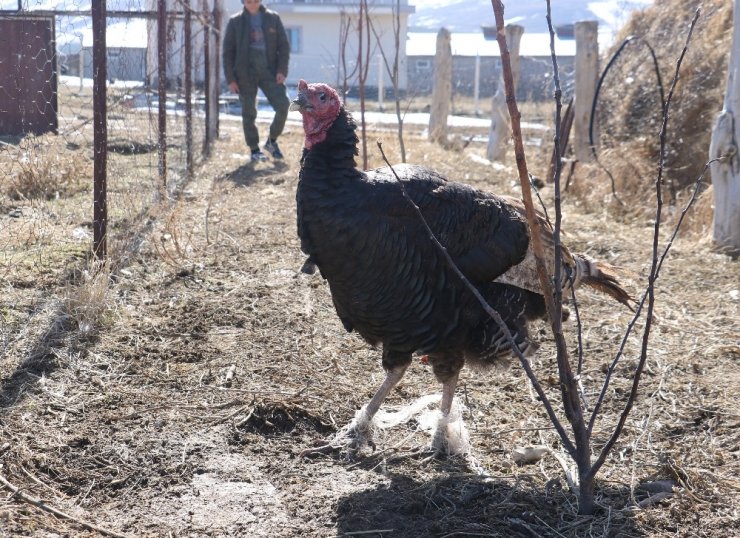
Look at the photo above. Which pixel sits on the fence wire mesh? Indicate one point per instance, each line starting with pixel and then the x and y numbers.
pixel 47 124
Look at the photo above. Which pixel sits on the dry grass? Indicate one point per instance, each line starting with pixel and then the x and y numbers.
pixel 42 168
pixel 86 300
pixel 186 414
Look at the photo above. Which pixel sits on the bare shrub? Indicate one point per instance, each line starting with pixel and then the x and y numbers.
pixel 86 300
pixel 175 245
pixel 45 169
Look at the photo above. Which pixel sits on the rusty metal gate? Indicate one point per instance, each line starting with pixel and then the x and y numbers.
pixel 28 76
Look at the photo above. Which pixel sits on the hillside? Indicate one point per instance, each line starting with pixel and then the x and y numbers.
pixel 467 16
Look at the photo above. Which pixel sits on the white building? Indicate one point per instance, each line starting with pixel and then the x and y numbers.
pixel 473 52
pixel 126 48
pixel 315 29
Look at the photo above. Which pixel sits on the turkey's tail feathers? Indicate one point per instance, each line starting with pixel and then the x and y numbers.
pixel 602 277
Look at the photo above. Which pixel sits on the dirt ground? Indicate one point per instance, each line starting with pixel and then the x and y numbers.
pixel 219 361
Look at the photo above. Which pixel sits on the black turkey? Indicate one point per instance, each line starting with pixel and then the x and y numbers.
pixel 388 280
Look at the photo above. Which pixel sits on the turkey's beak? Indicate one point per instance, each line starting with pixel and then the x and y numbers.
pixel 300 103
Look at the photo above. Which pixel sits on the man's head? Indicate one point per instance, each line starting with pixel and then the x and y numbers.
pixel 252 6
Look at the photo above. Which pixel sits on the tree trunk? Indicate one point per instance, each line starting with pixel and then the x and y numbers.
pixel 586 490
pixel 726 173
pixel 442 88
pixel 500 131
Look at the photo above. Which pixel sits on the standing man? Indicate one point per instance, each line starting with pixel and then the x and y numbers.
pixel 255 55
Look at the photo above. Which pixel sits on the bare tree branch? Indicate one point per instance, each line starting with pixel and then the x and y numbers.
pixel 568 384
pixel 656 263
pixel 393 71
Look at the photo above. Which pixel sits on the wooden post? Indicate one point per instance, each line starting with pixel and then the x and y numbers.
pixel 381 82
pixel 442 90
pixel 476 85
pixel 587 73
pixel 81 62
pixel 726 172
pixel 500 132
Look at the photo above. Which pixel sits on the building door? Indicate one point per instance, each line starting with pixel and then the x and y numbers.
pixel 28 76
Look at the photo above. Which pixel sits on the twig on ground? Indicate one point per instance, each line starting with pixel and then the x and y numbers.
pixel 38 503
pixel 40 483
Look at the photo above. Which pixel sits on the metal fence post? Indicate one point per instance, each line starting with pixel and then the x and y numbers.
pixel 207 29
pixel 162 90
pixel 100 142
pixel 187 29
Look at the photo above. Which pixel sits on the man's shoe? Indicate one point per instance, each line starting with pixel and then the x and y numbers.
pixel 272 148
pixel 258 156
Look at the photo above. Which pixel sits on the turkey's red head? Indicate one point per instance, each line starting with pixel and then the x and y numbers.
pixel 319 105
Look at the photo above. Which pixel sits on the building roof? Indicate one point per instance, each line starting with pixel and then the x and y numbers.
pixel 475 44
pixel 126 34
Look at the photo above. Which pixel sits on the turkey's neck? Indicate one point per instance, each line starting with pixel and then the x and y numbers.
pixel 338 149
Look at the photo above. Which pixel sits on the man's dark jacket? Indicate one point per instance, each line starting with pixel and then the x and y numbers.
pixel 236 45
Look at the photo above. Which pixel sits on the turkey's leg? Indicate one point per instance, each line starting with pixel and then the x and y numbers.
pixel 448 394
pixel 358 432
pixel 439 441
pixel 392 377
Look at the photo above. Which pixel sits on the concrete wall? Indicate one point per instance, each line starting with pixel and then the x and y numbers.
pixel 318 59
pixel 535 83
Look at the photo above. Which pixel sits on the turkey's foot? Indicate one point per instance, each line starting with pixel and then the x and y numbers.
pixel 349 440
pixel 444 448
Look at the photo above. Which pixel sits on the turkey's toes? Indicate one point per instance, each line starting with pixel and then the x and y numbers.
pixel 315 451
pixel 440 444
pixel 349 440
pixel 354 437
pixel 438 450
pixel 474 466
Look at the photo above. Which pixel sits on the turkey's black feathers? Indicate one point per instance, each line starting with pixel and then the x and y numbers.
pixel 388 280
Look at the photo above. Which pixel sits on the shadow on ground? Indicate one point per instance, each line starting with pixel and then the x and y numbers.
pixel 250 173
pixel 472 506
pixel 40 360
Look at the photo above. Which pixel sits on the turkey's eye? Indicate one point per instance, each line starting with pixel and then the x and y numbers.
pixel 322 96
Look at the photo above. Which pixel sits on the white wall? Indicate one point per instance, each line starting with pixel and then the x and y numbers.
pixel 319 57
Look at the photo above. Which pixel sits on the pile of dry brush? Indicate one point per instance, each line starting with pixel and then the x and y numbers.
pixel 629 108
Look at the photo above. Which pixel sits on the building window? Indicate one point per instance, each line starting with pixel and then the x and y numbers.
pixel 294 37
pixel 423 65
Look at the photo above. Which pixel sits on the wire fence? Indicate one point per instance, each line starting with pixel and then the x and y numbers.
pixel 98 127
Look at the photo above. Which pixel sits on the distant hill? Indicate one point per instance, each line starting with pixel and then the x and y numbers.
pixel 470 15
